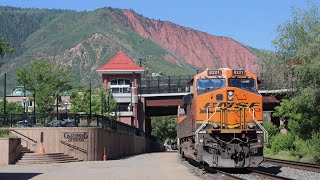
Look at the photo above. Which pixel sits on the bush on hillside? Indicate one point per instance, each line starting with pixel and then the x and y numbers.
pixel 282 142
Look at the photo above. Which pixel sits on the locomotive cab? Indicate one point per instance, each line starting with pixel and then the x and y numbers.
pixel 220 122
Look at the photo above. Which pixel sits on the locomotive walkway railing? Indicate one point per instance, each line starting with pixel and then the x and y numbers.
pixel 66 120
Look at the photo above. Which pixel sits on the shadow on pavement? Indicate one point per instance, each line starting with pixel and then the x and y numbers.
pixel 18 176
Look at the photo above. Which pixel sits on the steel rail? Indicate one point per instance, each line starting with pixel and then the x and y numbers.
pixel 233 176
pixel 212 170
pixel 294 164
pixel 267 175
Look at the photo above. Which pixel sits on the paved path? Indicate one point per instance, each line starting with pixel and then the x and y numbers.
pixel 162 166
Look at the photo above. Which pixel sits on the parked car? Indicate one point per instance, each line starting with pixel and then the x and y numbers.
pixel 70 122
pixel 62 123
pixel 25 123
pixel 56 123
pixel 174 147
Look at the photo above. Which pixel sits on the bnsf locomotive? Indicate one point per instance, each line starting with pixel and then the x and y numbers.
pixel 220 121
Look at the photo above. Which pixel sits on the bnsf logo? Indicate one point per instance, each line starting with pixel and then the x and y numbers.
pixel 228 105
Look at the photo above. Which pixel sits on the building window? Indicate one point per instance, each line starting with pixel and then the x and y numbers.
pixel 120 85
pixel 123 106
pixel 121 81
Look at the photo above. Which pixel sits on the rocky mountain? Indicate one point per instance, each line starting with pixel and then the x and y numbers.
pixel 84 41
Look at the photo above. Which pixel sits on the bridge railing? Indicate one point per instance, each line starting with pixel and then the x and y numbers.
pixel 276 84
pixel 164 84
pixel 66 120
pixel 178 84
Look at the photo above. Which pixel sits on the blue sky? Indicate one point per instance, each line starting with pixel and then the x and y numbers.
pixel 250 22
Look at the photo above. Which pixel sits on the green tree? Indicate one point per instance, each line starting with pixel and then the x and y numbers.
pixel 100 103
pixel 45 80
pixel 5 47
pixel 298 46
pixel 12 108
pixel 164 127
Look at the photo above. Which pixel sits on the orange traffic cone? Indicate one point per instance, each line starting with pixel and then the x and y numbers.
pixel 104 154
pixel 41 150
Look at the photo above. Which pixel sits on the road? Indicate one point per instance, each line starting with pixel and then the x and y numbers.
pixel 155 166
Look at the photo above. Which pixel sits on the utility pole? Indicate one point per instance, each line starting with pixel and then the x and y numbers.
pixel 4 94
pixel 57 105
pixel 90 110
pixel 34 108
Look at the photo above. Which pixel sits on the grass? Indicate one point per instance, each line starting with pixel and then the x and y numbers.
pixel 286 155
pixel 5 133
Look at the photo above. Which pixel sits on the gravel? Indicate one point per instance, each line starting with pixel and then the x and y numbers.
pixel 265 167
pixel 289 172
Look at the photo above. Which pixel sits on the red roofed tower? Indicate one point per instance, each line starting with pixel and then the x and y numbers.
pixel 120 75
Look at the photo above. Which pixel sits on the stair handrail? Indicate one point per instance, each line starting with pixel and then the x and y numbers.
pixel 204 124
pixel 265 132
pixel 24 136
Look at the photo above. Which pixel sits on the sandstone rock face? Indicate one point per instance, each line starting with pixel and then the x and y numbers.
pixel 198 48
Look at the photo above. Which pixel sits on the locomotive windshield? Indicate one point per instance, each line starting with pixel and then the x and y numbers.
pixel 205 85
pixel 247 84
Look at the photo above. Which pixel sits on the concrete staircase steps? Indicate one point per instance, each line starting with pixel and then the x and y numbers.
pixel 36 158
pixel 26 150
pixel 47 158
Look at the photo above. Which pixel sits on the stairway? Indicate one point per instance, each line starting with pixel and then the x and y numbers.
pixel 47 158
pixel 25 150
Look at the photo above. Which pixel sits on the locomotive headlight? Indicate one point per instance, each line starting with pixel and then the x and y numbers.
pixel 250 125
pixel 215 125
pixel 230 95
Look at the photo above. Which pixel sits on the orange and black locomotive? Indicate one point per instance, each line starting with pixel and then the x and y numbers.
pixel 220 121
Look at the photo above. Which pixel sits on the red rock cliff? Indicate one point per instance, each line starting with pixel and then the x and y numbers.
pixel 198 48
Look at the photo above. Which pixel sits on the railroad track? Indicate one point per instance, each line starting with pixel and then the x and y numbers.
pixel 294 164
pixel 266 175
pixel 236 173
pixel 227 175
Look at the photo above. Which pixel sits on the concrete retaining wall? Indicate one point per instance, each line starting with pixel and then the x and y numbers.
pixel 83 143
pixel 10 150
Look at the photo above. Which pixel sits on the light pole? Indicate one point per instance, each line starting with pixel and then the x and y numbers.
pixel 4 94
pixel 57 99
pixel 24 108
pixel 34 108
pixel 66 108
pixel 24 104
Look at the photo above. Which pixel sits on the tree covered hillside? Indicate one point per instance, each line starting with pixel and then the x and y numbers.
pixel 82 41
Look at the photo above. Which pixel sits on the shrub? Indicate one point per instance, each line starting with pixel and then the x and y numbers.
pixel 4 133
pixel 282 142
pixel 308 150
pixel 272 130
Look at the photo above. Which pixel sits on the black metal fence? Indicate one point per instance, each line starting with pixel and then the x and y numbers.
pixel 178 84
pixel 66 120
pixel 164 84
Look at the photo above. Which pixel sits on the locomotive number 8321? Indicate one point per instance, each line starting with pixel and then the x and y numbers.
pixel 220 121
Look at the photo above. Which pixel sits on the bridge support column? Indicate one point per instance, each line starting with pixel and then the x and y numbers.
pixel 148 128
pixel 140 121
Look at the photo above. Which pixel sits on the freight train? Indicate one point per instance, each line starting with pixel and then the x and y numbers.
pixel 220 121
